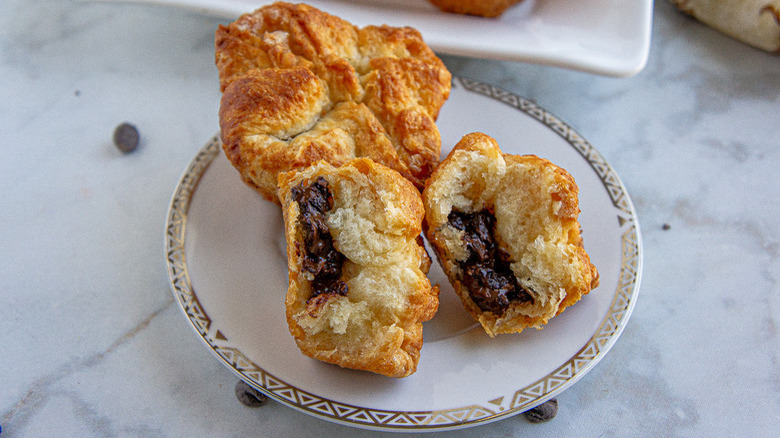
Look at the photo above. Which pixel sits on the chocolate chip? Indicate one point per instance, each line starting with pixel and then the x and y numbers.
pixel 321 258
pixel 487 272
pixel 249 396
pixel 126 137
pixel 544 412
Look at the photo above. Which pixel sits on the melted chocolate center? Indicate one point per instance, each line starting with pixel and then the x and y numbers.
pixel 321 258
pixel 486 273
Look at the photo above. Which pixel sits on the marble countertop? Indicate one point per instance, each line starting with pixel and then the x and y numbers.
pixel 94 344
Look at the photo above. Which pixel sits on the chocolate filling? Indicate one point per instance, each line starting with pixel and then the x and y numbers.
pixel 321 258
pixel 486 273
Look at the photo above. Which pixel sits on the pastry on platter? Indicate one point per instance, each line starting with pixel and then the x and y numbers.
pixel 358 291
pixel 505 230
pixel 300 85
pixel 481 8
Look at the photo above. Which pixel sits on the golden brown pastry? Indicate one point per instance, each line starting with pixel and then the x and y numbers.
pixel 300 85
pixel 755 22
pixel 481 8
pixel 505 231
pixel 358 291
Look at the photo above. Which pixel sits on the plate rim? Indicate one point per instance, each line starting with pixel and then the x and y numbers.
pixel 609 330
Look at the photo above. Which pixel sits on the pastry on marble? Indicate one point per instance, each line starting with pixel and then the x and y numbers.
pixel 755 22
pixel 505 230
pixel 358 291
pixel 481 8
pixel 300 85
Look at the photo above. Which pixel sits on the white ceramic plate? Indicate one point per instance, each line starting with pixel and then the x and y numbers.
pixel 227 264
pixel 609 37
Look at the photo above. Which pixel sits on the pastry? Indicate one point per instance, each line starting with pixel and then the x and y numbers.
pixel 505 230
pixel 300 86
pixel 481 8
pixel 358 291
pixel 755 22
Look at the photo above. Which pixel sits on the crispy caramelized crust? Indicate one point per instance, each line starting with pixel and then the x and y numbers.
pixel 535 206
pixel 300 85
pixel 482 8
pixel 375 222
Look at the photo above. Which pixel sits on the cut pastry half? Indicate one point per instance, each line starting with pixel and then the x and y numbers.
pixel 505 230
pixel 358 291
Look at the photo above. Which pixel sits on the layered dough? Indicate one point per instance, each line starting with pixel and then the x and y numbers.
pixel 755 22
pixel 300 86
pixel 535 229
pixel 362 305
pixel 481 8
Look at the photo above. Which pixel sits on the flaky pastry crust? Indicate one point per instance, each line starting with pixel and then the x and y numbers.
pixel 300 85
pixel 481 8
pixel 535 206
pixel 375 222
pixel 755 22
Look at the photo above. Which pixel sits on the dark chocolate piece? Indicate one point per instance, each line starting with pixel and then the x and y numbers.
pixel 486 272
pixel 321 257
pixel 126 137
pixel 249 396
pixel 544 412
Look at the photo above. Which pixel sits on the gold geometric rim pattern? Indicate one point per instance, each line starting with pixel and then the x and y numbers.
pixel 519 401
